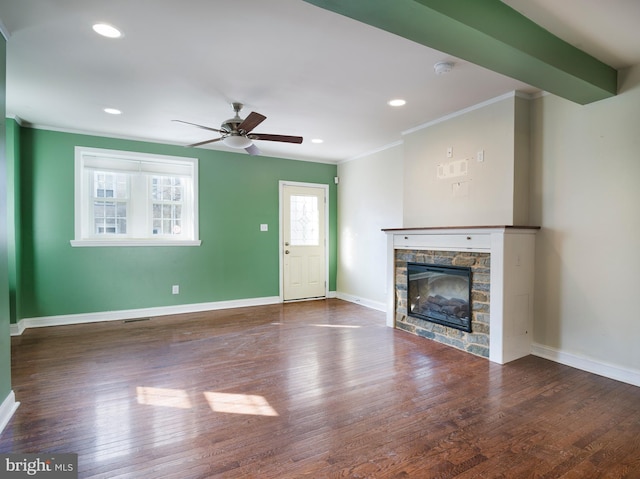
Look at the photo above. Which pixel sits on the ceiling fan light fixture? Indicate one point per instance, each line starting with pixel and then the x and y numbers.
pixel 237 141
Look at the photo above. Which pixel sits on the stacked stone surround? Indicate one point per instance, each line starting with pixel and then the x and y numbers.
pixel 476 342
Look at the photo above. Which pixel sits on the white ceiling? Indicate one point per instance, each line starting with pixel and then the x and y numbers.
pixel 313 73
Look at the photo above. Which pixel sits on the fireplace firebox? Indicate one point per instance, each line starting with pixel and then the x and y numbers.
pixel 440 294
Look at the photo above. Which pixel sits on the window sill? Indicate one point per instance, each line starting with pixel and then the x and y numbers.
pixel 133 242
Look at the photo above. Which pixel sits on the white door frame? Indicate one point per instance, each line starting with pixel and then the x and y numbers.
pixel 281 185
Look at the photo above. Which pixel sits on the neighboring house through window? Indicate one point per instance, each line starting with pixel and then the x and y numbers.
pixel 134 199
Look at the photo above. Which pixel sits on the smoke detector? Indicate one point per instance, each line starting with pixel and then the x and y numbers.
pixel 442 68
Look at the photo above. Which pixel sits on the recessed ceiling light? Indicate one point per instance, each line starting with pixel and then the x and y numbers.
pixel 397 102
pixel 107 30
pixel 317 140
pixel 112 111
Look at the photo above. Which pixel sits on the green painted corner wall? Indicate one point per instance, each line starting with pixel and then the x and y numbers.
pixel 5 309
pixel 237 193
pixel 13 215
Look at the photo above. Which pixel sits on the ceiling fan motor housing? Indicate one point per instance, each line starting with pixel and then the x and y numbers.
pixel 231 125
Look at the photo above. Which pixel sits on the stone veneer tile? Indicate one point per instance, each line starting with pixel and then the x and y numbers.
pixel 476 342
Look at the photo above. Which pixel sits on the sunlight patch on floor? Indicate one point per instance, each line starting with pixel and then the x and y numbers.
pixel 178 398
pixel 239 404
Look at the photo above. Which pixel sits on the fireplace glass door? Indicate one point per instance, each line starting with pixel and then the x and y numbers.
pixel 440 294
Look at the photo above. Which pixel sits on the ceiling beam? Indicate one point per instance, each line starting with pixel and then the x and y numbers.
pixel 491 34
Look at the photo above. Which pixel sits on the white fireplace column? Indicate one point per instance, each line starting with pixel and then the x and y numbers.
pixel 512 259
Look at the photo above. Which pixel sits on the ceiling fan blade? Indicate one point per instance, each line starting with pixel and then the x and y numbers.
pixel 199 126
pixel 253 150
pixel 204 142
pixel 284 138
pixel 250 122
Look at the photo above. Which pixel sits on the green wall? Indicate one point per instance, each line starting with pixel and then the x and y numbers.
pixel 5 339
pixel 237 193
pixel 13 215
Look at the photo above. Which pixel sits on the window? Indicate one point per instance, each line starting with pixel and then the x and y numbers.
pixel 133 199
pixel 305 221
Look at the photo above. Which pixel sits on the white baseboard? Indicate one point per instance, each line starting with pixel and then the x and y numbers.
pixel 61 320
pixel 137 313
pixel 17 329
pixel 611 371
pixel 362 301
pixel 7 408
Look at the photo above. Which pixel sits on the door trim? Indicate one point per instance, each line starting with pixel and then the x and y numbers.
pixel 281 185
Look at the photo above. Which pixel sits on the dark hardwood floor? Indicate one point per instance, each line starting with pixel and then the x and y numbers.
pixel 319 389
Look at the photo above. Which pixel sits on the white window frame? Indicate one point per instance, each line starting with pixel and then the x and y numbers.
pixel 139 213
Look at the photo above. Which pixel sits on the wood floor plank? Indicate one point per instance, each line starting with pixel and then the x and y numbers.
pixel 321 389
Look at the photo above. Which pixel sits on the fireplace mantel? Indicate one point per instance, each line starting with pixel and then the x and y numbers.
pixel 511 250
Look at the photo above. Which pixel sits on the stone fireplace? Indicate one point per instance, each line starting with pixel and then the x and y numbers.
pixel 500 261
pixel 476 340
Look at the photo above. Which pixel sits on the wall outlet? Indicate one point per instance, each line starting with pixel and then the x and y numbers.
pixel 175 289
pixel 264 227
pixel 480 156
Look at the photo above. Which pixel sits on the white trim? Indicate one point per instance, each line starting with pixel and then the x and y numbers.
pixel 182 165
pixel 540 94
pixel 7 408
pixel 61 320
pixel 281 185
pixel 373 152
pixel 608 370
pixel 377 305
pixel 4 31
pixel 464 111
pixel 496 299
pixel 133 242
pixel 391 282
pixel 161 141
pixel 18 120
pixel 17 329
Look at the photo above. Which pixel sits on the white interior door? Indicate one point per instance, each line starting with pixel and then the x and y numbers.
pixel 303 241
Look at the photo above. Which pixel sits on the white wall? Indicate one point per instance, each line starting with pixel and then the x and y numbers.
pixel 585 195
pixel 369 199
pixel 485 194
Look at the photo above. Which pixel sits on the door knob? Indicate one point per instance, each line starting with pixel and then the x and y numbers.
pixel 286 251
pixel 287 243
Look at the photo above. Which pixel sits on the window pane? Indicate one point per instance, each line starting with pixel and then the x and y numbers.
pixel 110 217
pixel 109 185
pixel 109 214
pixel 305 217
pixel 98 209
pixel 167 194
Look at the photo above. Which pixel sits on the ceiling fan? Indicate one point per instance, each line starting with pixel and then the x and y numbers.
pixel 237 133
